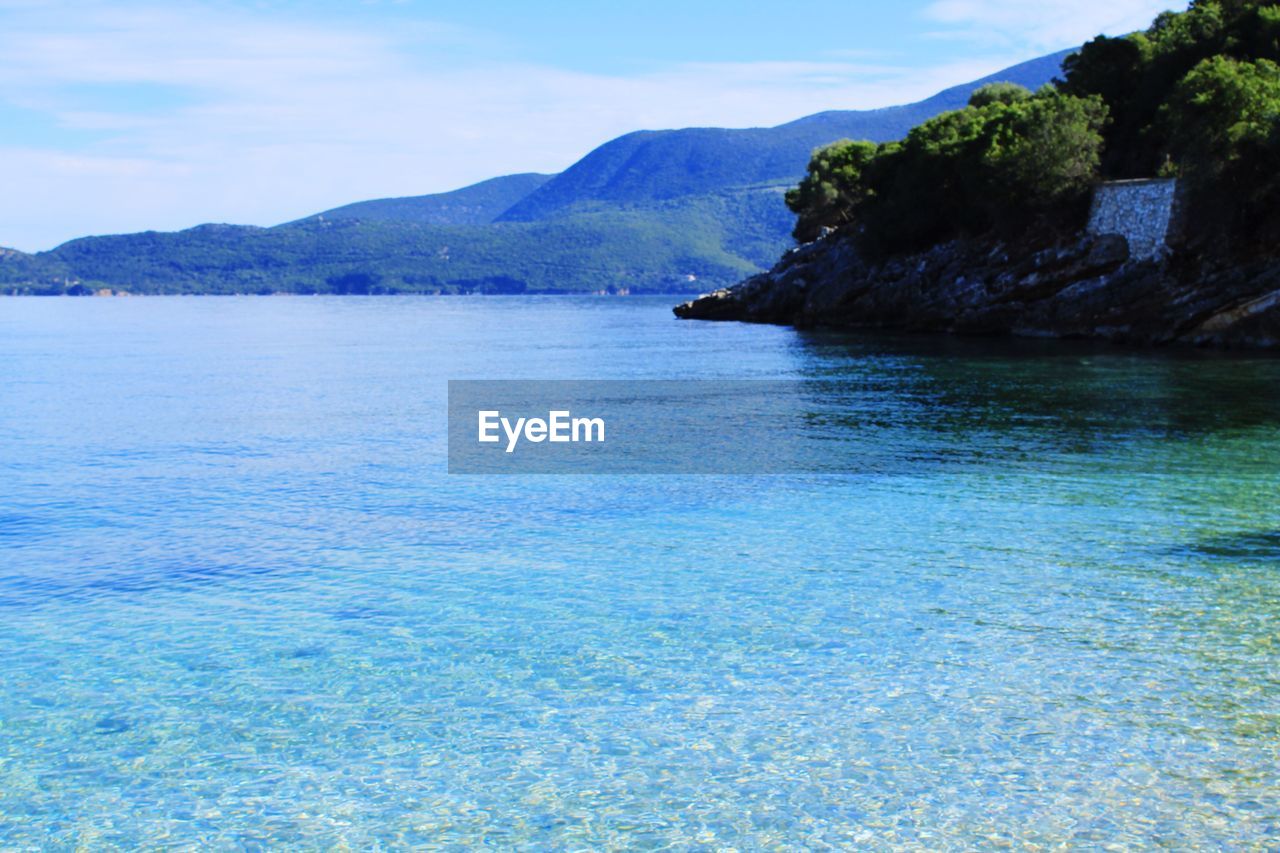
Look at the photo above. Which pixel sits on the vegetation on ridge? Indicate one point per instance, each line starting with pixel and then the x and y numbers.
pixel 710 243
pixel 1009 159
pixel 1196 95
pixel 673 211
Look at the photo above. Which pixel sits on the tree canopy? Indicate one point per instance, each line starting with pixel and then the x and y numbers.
pixel 1196 94
pixel 1007 161
pixel 998 92
pixel 833 188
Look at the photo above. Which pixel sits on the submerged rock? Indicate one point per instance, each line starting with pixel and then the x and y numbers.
pixel 1089 287
pixel 112 726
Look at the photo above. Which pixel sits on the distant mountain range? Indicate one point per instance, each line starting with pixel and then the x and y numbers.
pixel 653 211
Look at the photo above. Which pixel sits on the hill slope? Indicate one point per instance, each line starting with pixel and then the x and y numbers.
pixel 478 204
pixel 601 250
pixel 670 211
pixel 653 165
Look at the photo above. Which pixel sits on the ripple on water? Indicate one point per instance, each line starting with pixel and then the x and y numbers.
pixel 246 607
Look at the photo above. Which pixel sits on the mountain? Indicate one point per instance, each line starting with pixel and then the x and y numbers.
pixel 649 165
pixel 658 211
pixel 23 272
pixel 603 250
pixel 478 204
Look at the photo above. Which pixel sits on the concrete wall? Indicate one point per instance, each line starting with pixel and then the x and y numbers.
pixel 1141 211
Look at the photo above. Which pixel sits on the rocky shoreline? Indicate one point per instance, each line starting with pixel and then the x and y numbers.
pixel 1086 288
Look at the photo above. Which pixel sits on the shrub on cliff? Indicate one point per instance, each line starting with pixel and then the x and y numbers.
pixel 1042 155
pixel 1137 75
pixel 1221 110
pixel 1222 122
pixel 1007 165
pixel 1197 94
pixel 833 188
pixel 1010 161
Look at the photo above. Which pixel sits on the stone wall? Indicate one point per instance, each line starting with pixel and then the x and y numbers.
pixel 1140 211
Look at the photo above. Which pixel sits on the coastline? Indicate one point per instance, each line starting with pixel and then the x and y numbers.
pixel 1089 287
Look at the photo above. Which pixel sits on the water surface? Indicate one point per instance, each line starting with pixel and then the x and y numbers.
pixel 243 605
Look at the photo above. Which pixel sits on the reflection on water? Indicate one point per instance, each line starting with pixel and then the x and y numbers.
pixel 243 605
pixel 1254 545
pixel 1079 390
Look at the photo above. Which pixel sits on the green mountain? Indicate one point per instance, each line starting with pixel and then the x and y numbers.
pixel 587 252
pixel 478 204
pixel 656 165
pixel 656 211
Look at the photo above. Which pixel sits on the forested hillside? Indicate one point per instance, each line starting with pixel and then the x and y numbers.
pixel 656 211
pixel 1194 96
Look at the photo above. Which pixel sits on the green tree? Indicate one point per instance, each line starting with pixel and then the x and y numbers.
pixel 922 189
pixel 1223 123
pixel 831 192
pixel 1043 154
pixel 1220 108
pixel 1115 70
pixel 1259 34
pixel 1008 164
pixel 998 93
pixel 1012 161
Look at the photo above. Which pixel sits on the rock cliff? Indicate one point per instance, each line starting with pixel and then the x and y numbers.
pixel 1089 287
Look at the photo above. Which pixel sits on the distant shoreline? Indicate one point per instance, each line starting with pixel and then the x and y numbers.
pixel 693 294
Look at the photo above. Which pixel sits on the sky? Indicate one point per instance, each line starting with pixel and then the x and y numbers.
pixel 132 115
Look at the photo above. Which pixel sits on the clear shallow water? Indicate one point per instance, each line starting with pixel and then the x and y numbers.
pixel 242 605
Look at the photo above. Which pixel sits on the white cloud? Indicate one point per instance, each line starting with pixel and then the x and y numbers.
pixel 1045 25
pixel 275 119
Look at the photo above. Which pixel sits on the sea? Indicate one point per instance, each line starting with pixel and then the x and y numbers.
pixel 244 604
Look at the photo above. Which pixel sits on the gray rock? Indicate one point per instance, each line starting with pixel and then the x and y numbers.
pixel 1089 287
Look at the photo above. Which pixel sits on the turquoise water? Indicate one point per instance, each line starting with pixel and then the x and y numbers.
pixel 243 606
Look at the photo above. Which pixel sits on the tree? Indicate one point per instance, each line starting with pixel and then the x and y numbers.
pixel 1043 154
pixel 1196 94
pixel 355 282
pixel 998 93
pixel 1109 67
pixel 1115 69
pixel 1222 106
pixel 922 189
pixel 832 190
pixel 1013 160
pixel 1223 126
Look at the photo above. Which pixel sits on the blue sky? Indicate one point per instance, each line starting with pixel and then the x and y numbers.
pixel 122 116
